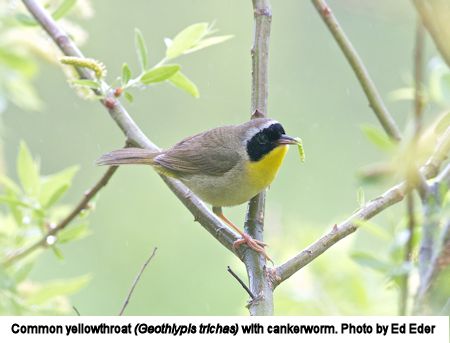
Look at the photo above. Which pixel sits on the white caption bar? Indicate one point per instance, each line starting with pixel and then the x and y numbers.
pixel 224 329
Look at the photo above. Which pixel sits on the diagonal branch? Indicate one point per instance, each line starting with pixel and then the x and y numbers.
pixel 83 204
pixel 134 134
pixel 136 280
pixel 242 283
pixel 254 222
pixel 435 16
pixel 375 100
pixel 372 208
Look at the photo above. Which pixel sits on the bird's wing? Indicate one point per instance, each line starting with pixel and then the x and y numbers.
pixel 209 153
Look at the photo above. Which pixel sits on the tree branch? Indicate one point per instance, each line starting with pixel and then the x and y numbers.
pixel 375 100
pixel 404 282
pixel 53 232
pixel 419 48
pixel 135 282
pixel 254 222
pixel 242 283
pixel 369 210
pixel 438 262
pixel 134 134
pixel 412 173
pixel 435 16
pixel 262 12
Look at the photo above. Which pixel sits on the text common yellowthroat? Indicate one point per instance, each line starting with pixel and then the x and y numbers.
pixel 224 166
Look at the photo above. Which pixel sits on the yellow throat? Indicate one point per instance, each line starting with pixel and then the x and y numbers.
pixel 261 173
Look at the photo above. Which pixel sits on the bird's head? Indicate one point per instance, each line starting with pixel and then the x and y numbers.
pixel 264 135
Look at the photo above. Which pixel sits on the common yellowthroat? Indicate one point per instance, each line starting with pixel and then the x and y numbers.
pixel 224 166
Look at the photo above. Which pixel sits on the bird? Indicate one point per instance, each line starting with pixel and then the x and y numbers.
pixel 224 166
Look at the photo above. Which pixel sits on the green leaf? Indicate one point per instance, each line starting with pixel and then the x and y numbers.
pixel 366 260
pixel 208 42
pixel 141 49
pixel 6 281
pixel 9 184
pixel 72 233
pixel 23 271
pixel 59 13
pixel 55 196
pixel 397 273
pixel 57 288
pixel 57 251
pixel 26 19
pixel 439 81
pixel 19 62
pixel 186 39
pixel 63 9
pixel 15 206
pixel 406 93
pixel 12 201
pixel 129 96
pixel 86 83
pixel 22 93
pixel 54 186
pixel 378 138
pixel 159 74
pixel 28 171
pixel 126 74
pixel 442 124
pixel 443 194
pixel 181 81
pixel 373 229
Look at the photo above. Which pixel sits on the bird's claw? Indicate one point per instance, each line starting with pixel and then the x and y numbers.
pixel 253 244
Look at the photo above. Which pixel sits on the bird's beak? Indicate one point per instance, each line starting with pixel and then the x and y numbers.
pixel 285 139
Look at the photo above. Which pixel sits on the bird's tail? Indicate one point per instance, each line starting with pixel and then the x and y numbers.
pixel 127 156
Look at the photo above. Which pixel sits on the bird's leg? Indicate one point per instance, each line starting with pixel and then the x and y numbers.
pixel 246 238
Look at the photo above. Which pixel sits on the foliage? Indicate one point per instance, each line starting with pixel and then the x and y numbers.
pixel 193 38
pixel 400 163
pixel 21 45
pixel 334 284
pixel 28 210
pixel 32 207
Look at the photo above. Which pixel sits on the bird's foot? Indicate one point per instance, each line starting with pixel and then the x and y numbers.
pixel 253 244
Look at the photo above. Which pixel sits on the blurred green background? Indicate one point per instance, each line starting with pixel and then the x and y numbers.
pixel 313 92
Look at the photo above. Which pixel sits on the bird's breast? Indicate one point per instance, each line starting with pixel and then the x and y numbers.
pixel 261 173
pixel 239 184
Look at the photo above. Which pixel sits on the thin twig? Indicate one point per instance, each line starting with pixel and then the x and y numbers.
pixel 241 282
pixel 76 311
pixel 372 208
pixel 413 177
pixel 444 175
pixel 431 205
pixel 434 16
pixel 136 280
pixel 419 103
pixel 254 222
pixel 53 232
pixel 404 285
pixel 439 261
pixel 134 134
pixel 372 94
